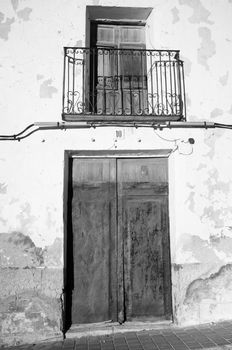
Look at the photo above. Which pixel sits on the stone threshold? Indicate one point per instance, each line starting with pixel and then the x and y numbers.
pixel 111 328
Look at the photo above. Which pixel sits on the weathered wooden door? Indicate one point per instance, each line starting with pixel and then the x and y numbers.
pixel 94 235
pixel 120 239
pixel 144 238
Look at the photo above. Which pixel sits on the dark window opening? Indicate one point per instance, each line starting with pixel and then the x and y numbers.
pixel 120 85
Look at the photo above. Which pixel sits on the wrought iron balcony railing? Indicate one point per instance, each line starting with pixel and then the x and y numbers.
pixel 126 84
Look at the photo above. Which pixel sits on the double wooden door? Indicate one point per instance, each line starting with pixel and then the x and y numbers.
pixel 120 240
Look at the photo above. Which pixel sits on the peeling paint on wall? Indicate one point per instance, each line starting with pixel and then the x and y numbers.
pixel 216 113
pixel 24 14
pixel 200 249
pixel 25 216
pixel 188 100
pixel 79 43
pixel 213 214
pixel 15 4
pixel 200 13
pixel 201 166
pixel 53 254
pixel 39 76
pixel 224 79
pixel 210 141
pixel 215 250
pixel 5 26
pixel 3 188
pixel 215 184
pixel 19 251
pixel 190 201
pixel 175 14
pixel 28 312
pixel 31 280
pixel 187 65
pixel 217 287
pixel 47 90
pixel 96 2
pixel 218 210
pixel 208 47
pixel 30 308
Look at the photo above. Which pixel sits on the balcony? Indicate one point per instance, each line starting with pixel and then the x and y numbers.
pixel 126 85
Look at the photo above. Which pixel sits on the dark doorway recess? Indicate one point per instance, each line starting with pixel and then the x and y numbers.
pixel 117 251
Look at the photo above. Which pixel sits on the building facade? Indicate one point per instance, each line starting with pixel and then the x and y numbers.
pixel 115 182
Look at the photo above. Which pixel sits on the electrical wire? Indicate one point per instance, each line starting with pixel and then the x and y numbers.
pixel 20 133
pixel 163 138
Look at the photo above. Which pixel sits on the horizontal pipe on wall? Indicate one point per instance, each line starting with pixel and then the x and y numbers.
pixel 38 126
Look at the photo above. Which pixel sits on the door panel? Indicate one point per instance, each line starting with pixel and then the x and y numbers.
pixel 120 239
pixel 93 219
pixel 143 233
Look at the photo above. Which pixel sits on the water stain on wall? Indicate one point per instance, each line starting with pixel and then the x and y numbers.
pixel 207 48
pixel 224 79
pixel 200 13
pixel 47 90
pixel 24 14
pixel 216 113
pixel 5 26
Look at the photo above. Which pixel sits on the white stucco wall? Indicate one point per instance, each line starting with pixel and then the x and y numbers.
pixel 32 36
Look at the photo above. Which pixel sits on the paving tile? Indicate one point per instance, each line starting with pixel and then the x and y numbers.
pixel 193 347
pixel 119 340
pixel 68 344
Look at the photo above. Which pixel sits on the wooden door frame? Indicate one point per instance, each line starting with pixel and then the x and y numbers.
pixel 69 155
